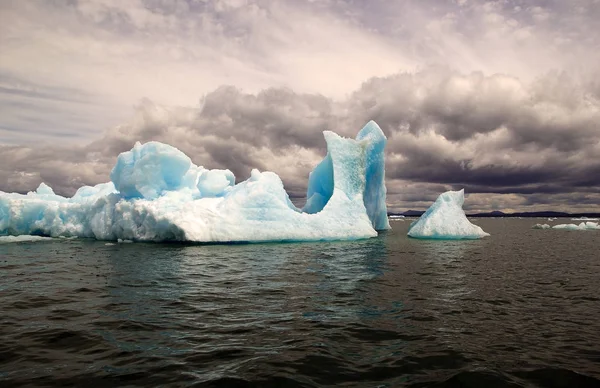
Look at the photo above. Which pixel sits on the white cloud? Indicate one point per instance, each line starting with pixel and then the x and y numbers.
pixel 175 51
pixel 121 52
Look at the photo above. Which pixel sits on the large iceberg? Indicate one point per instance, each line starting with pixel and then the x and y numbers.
pixel 156 193
pixel 445 219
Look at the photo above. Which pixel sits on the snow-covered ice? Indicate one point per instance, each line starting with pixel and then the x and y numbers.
pixel 445 219
pixel 156 193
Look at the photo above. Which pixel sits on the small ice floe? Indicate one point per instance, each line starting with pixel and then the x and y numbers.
pixel 396 217
pixel 22 238
pixel 541 226
pixel 582 226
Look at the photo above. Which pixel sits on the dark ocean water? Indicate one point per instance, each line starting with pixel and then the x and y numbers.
pixel 520 308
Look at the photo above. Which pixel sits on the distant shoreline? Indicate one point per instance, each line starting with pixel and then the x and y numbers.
pixel 499 214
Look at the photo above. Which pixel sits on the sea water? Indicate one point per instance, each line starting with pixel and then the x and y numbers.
pixel 518 308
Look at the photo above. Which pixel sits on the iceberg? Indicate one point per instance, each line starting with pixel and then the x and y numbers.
pixel 445 219
pixel 157 193
pixel 23 238
pixel 396 218
pixel 585 219
pixel 582 226
pixel 541 226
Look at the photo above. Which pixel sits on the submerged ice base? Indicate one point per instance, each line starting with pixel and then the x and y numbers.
pixel 445 219
pixel 156 193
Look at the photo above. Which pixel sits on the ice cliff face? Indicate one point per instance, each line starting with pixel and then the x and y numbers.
pixel 156 193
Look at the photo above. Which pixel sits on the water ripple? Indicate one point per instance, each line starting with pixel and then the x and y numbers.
pixel 519 309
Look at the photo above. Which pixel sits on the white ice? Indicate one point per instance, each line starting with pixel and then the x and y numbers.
pixel 445 219
pixel 396 218
pixel 156 193
pixel 541 226
pixel 582 226
pixel 23 238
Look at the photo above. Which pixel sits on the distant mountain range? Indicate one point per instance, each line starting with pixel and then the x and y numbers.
pixel 548 214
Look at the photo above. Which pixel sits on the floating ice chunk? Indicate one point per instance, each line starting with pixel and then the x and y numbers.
pixel 540 226
pixel 592 225
pixel 396 218
pixel 582 226
pixel 585 219
pixel 158 194
pixel 22 238
pixel 445 219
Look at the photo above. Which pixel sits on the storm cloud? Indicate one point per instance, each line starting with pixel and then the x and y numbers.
pixel 489 134
pixel 499 97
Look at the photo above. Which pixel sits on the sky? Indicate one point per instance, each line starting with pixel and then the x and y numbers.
pixel 501 98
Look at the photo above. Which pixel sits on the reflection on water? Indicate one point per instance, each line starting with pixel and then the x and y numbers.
pixel 447 259
pixel 340 277
pixel 142 283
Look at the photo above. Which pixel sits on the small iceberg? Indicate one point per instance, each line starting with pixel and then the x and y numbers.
pixel 394 217
pixel 541 226
pixel 22 238
pixel 582 226
pixel 585 219
pixel 446 219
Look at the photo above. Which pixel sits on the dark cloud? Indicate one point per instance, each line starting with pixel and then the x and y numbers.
pixel 275 118
pixel 522 145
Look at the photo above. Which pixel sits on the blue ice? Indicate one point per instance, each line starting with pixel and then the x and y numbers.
pixel 157 193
